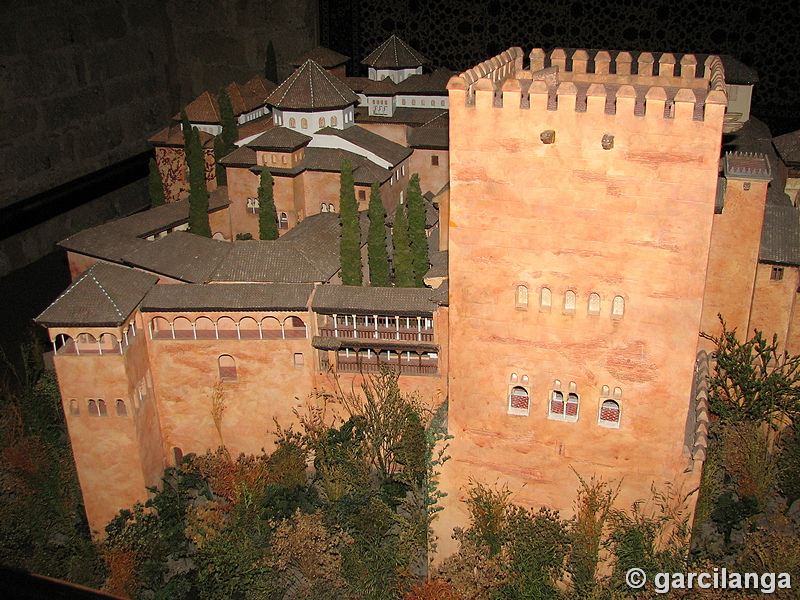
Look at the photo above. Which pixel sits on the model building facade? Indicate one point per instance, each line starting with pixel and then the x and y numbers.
pixel 591 229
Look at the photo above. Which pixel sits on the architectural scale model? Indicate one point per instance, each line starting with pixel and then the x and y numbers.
pixel 589 215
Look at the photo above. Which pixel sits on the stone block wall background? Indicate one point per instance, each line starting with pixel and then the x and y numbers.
pixel 84 83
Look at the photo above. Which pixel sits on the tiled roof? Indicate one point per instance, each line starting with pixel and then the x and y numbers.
pixel 330 299
pixel 736 72
pixel 173 136
pixel 385 87
pixel 788 147
pixel 386 149
pixel 441 295
pixel 181 255
pixel 251 95
pixel 243 156
pixel 394 53
pixel 358 84
pixel 438 264
pixel 427 83
pixel 267 262
pixel 280 139
pixel 322 56
pixel 433 135
pixel 431 214
pixel 203 109
pixel 312 88
pixel 104 296
pixel 227 296
pixel 402 114
pixel 317 239
pixel 780 235
pixel 111 241
pixel 747 165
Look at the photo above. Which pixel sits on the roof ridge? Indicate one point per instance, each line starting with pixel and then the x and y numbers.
pixel 102 289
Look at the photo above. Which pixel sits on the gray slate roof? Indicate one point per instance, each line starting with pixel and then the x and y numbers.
pixel 104 296
pixel 181 255
pixel 394 53
pixel 116 239
pixel 433 135
pixel 227 296
pixel 312 88
pixel 780 235
pixel 788 147
pixel 388 150
pixel 280 139
pixel 267 261
pixel 330 299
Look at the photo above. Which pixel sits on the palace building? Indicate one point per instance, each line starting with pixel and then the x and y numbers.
pixel 589 214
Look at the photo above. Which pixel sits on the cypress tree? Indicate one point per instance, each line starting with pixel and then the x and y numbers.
pixel 271 64
pixel 416 231
pixel 267 215
pixel 198 193
pixel 350 246
pixel 403 268
pixel 219 168
pixel 230 127
pixel 376 241
pixel 156 185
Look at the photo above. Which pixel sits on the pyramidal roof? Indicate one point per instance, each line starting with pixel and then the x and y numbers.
pixel 321 55
pixel 394 53
pixel 312 88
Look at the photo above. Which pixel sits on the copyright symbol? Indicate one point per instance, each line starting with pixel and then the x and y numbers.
pixel 635 578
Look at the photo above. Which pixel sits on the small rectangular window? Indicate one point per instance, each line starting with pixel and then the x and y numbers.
pixel 777 274
pixel 299 361
pixel 434 161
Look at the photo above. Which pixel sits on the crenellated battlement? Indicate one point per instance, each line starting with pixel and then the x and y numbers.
pixel 599 82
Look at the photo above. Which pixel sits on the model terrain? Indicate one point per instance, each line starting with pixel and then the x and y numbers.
pixel 588 215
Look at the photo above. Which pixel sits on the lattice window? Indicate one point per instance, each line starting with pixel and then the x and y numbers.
pixel 609 413
pixel 519 401
pixel 594 303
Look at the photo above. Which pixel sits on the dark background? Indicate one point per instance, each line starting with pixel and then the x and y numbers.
pixel 764 35
pixel 84 83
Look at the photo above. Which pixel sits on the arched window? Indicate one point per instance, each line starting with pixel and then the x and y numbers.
pixel 248 329
pixel 122 410
pixel 253 206
pixel 283 222
pixel 564 411
pixel 205 329
pixel 321 122
pixel 609 414
pixel 569 302
pixel 183 328
pixel 618 307
pixel 323 207
pixel 227 367
pixel 331 208
pixel 101 408
pixel 556 403
pixel 522 297
pixel 271 328
pixel 109 344
pixel 177 455
pixel 292 122
pixel 294 327
pixel 74 408
pixel 226 328
pixel 545 299
pixel 334 121
pixel 91 408
pixel 518 401
pixel 594 303
pixel 160 329
pixel 304 123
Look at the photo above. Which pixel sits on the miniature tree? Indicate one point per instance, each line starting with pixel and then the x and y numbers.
pixel 271 64
pixel 350 246
pixel 376 241
pixel 403 268
pixel 219 168
pixel 198 192
pixel 267 215
pixel 416 231
pixel 156 185
pixel 230 127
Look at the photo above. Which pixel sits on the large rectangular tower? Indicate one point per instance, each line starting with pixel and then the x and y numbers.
pixel 581 207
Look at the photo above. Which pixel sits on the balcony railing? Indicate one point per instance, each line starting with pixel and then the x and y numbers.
pixel 381 333
pixel 374 367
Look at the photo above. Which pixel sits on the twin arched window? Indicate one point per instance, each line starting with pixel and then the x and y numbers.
pixel 252 206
